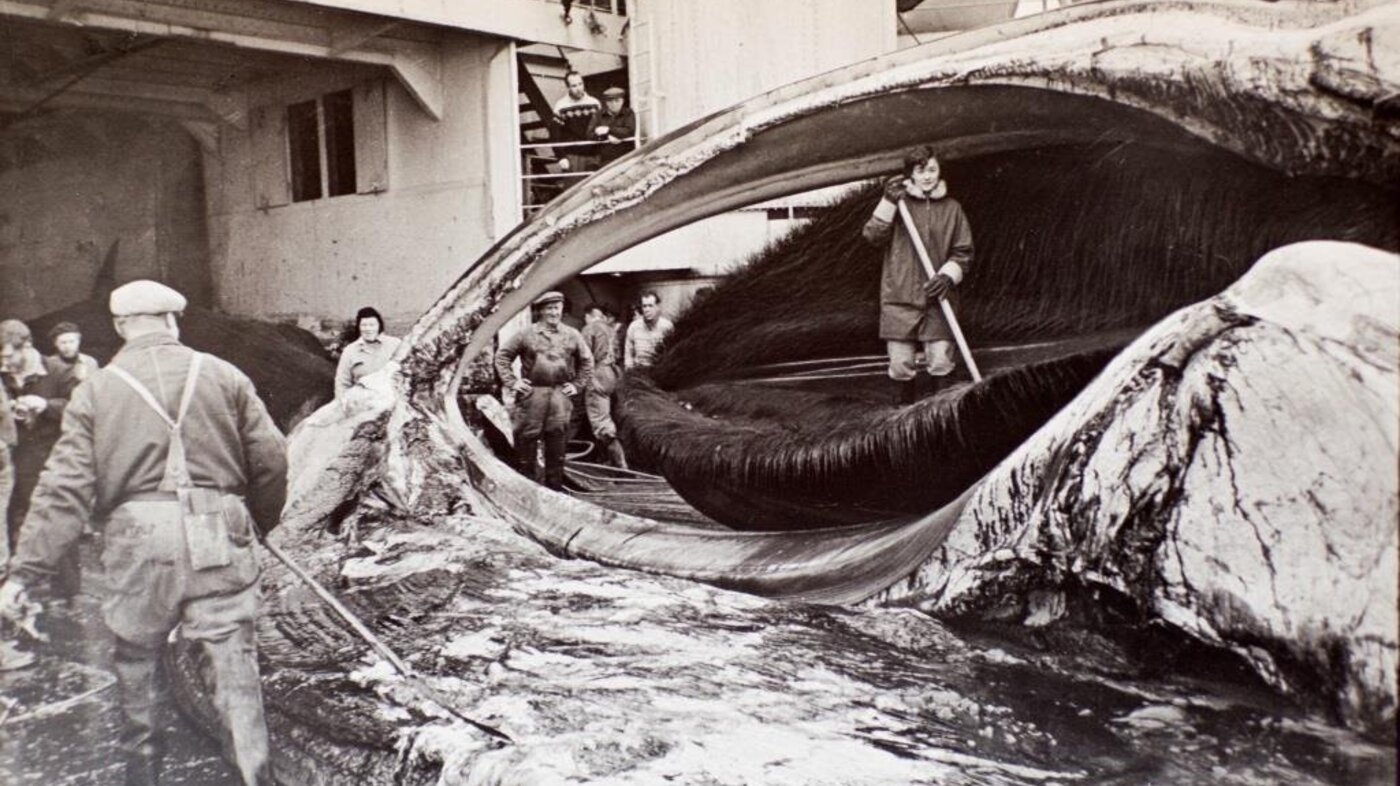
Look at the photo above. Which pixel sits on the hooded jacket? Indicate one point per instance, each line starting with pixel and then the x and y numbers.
pixel 906 313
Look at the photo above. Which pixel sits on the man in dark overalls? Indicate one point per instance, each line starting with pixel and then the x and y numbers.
pixel 555 366
pixel 175 452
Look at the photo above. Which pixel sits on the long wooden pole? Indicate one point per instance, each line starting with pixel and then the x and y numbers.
pixel 942 302
pixel 410 676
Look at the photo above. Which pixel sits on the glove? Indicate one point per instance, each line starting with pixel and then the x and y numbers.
pixel 16 607
pixel 938 287
pixel 894 188
pixel 34 404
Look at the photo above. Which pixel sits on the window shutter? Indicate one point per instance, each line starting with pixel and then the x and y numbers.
pixel 271 185
pixel 371 138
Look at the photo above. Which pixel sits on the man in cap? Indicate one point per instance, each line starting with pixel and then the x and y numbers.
pixel 555 366
pixel 615 126
pixel 38 401
pixel 175 452
pixel 40 392
pixel 67 368
pixel 17 334
pixel 68 364
pixel 600 334
pixel 10 657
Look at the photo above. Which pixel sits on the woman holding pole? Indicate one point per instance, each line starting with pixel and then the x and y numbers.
pixel 928 252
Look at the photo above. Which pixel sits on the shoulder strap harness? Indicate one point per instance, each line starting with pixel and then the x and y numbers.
pixel 177 472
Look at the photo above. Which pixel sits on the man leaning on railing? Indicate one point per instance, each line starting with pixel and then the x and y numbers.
pixel 614 127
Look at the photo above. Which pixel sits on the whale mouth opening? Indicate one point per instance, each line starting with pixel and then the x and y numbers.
pixel 1107 181
pixel 770 407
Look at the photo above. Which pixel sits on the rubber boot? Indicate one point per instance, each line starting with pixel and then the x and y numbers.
pixel 136 687
pixel 68 581
pixel 238 700
pixel 527 457
pixel 906 392
pixel 142 766
pixel 12 658
pixel 930 385
pixel 616 454
pixel 556 443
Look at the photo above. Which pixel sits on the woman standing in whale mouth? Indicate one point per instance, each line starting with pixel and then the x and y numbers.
pixel 909 312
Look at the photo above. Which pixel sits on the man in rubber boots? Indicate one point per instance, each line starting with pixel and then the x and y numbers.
pixel 10 657
pixel 601 337
pixel 175 452
pixel 555 366
pixel 909 311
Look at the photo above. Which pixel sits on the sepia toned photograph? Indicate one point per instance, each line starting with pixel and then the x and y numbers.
pixel 699 392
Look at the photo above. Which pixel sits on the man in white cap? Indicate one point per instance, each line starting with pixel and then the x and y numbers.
pixel 175 452
pixel 555 366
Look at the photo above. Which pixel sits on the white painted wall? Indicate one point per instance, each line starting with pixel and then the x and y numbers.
pixel 451 194
pixel 690 59
pixel 704 56
pixel 710 247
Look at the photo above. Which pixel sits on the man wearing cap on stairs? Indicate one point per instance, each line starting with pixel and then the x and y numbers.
pixel 173 450
pixel 600 335
pixel 614 126
pixel 555 366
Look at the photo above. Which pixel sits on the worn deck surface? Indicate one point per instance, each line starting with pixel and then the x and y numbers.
pixel 63 730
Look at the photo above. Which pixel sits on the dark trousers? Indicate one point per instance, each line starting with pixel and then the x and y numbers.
pixel 154 588
pixel 543 414
pixel 29 461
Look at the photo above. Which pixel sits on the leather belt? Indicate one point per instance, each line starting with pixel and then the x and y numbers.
pixel 164 496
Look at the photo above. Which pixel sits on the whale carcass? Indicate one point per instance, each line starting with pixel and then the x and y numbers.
pixel 646 677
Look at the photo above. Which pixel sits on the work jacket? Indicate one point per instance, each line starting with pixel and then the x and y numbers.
pixel 906 313
pixel 360 358
pixel 601 339
pixel 8 433
pixel 69 374
pixel 38 432
pixel 548 357
pixel 114 447
pixel 621 126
